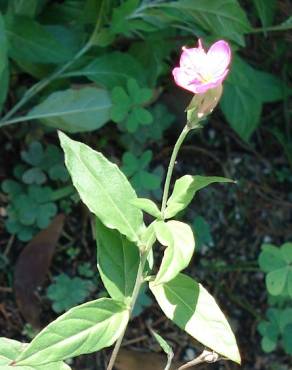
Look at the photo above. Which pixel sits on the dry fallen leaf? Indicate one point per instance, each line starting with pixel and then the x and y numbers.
pixel 31 269
pixel 134 360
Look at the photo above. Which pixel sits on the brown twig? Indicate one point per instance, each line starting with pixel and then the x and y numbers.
pixel 206 356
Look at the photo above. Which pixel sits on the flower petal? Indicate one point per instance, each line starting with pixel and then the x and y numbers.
pixel 183 80
pixel 202 88
pixel 218 56
pixel 193 60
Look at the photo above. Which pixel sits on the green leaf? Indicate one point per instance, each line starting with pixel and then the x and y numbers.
pixel 117 261
pixel 287 339
pixel 179 240
pixel 11 187
pixel 10 349
pixel 166 348
pixel 112 69
pixel 266 11
pixel 142 116
pixel 120 21
pixel 286 25
pixel 193 309
pixel 275 281
pixel 34 176
pixel 185 189
pixel 121 104
pixel 271 258
pixel 268 344
pixel 4 71
pixel 286 252
pixel 202 232
pixel 102 187
pixel 285 318
pixel 276 262
pixel 4 78
pixel 268 87
pixel 147 206
pixel 34 155
pixel 26 8
pixel 83 329
pixel 242 108
pixel 66 293
pixel 220 17
pixel 86 109
pixel 245 90
pixel 3 47
pixel 30 41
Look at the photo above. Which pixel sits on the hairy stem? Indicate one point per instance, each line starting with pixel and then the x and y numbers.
pixel 35 89
pixel 176 148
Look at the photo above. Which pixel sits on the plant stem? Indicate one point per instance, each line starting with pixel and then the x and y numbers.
pixel 136 291
pixel 205 356
pixel 35 89
pixel 176 148
pixel 145 252
pixel 62 193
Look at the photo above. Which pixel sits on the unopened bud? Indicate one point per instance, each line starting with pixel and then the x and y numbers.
pixel 202 105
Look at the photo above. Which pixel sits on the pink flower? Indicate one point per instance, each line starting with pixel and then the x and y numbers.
pixel 199 70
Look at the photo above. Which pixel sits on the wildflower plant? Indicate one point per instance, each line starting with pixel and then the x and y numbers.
pixel 125 244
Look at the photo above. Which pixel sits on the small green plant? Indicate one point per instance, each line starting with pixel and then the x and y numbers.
pixel 67 292
pixel 128 106
pixel 32 200
pixel 203 233
pixel 276 329
pixel 31 208
pixel 137 170
pixel 43 164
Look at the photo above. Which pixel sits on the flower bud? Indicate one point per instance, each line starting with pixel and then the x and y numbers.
pixel 202 105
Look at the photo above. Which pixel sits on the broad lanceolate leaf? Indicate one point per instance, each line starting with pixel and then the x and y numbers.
pixel 179 240
pixel 193 309
pixel 166 348
pixel 220 17
pixel 185 189
pixel 30 41
pixel 83 329
pixel 85 109
pixel 147 206
pixel 102 187
pixel 10 349
pixel 266 11
pixel 112 69
pixel 245 90
pixel 117 262
pixel 242 109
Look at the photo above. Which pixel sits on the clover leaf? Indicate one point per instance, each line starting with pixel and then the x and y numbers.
pixel 29 210
pixel 277 326
pixel 67 292
pixel 277 263
pixel 48 161
pixel 128 106
pixel 137 169
pixel 203 233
